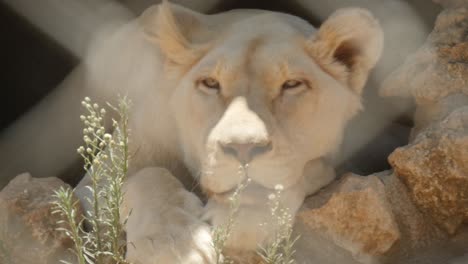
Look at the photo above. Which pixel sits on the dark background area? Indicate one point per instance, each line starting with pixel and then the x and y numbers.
pixel 32 65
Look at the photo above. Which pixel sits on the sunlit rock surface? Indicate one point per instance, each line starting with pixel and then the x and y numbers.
pixel 350 221
pixel 372 219
pixel 436 76
pixel 28 229
pixel 357 217
pixel 433 166
pixel 438 68
pixel 435 169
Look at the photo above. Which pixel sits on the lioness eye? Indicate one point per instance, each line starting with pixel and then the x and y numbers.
pixel 211 84
pixel 293 87
pixel 290 84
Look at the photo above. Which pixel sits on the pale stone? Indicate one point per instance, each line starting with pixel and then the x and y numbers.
pixel 28 229
pixel 439 67
pixel 434 167
pixel 431 112
pixel 357 217
pixel 392 228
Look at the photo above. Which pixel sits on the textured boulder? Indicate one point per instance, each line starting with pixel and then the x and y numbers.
pixel 435 169
pixel 436 76
pixel 372 220
pixel 438 68
pixel 417 231
pixel 429 113
pixel 355 215
pixel 28 229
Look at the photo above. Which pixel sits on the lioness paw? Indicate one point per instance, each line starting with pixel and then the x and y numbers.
pixel 163 221
pixel 181 245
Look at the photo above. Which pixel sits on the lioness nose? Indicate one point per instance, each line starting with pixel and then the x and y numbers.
pixel 245 152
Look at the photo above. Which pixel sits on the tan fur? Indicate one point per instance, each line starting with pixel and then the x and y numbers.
pixel 356 32
pixel 179 125
pixel 169 38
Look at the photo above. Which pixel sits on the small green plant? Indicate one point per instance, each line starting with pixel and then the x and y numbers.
pixel 280 248
pixel 106 160
pixel 66 205
pixel 222 233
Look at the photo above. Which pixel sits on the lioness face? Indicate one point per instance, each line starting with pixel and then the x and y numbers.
pixel 262 101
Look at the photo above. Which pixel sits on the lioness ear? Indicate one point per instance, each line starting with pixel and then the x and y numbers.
pixel 173 28
pixel 348 45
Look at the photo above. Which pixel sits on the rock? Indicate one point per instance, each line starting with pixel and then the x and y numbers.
pixel 434 167
pixel 428 190
pixel 372 219
pixel 417 231
pixel 439 67
pixel 436 76
pixel 28 229
pixel 355 215
pixel 432 112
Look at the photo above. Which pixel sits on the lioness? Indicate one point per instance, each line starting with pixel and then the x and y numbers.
pixel 245 94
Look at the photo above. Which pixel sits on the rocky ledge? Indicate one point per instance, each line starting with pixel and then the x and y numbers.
pixel 28 228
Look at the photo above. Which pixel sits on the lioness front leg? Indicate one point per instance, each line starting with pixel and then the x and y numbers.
pixel 163 221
